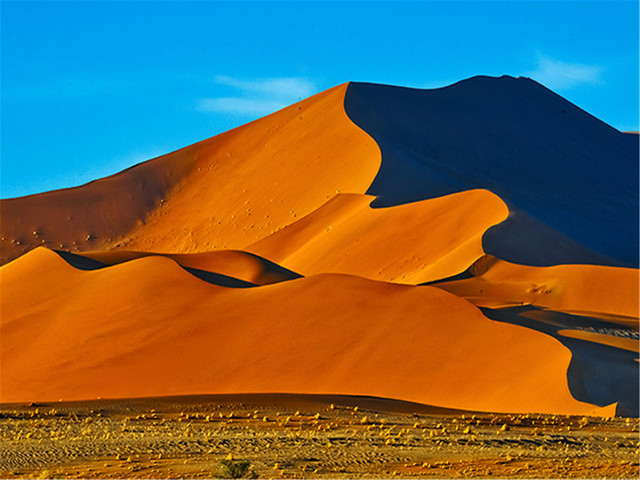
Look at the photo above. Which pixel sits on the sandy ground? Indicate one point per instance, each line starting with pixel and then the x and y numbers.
pixel 305 436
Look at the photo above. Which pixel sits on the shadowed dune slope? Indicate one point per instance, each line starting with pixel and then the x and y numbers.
pixel 570 178
pixel 323 334
pixel 410 243
pixel 233 263
pixel 607 292
pixel 225 192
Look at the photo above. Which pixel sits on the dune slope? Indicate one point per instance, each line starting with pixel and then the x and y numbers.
pixel 470 247
pixel 323 334
pixel 607 292
pixel 224 192
pixel 541 154
pixel 410 243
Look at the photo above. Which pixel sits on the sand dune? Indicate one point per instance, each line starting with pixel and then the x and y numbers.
pixel 233 263
pixel 608 292
pixel 324 334
pixel 412 243
pixel 472 247
pixel 617 342
pixel 545 158
pixel 225 192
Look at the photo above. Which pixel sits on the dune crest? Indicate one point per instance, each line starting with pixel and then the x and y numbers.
pixel 225 192
pixel 234 263
pixel 413 243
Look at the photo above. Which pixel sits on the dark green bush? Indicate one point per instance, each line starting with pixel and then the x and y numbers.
pixel 236 468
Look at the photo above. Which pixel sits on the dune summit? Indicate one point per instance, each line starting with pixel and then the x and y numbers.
pixel 470 247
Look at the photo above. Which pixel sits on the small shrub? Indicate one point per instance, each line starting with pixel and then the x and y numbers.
pixel 237 468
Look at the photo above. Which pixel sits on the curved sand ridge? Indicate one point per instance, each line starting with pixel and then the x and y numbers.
pixel 412 243
pixel 233 263
pixel 607 292
pixel 225 192
pixel 570 180
pixel 324 334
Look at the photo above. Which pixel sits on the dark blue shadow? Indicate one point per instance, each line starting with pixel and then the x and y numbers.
pixel 597 374
pixel 573 178
pixel 84 263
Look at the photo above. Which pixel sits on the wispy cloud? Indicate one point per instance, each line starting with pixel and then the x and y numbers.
pixel 275 87
pixel 239 106
pixel 559 75
pixel 257 97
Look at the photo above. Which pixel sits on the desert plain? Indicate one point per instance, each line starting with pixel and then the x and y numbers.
pixel 306 436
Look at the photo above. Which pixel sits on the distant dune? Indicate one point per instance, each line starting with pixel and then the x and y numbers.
pixel 472 247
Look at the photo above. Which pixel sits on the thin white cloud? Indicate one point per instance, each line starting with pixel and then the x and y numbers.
pixel 239 106
pixel 559 75
pixel 284 87
pixel 257 97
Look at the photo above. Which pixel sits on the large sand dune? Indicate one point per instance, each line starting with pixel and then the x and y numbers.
pixel 550 161
pixel 414 243
pixel 225 192
pixel 466 247
pixel 323 334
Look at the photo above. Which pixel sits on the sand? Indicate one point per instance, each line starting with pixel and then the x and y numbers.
pixel 224 192
pixel 354 243
pixel 326 333
pixel 606 292
pixel 308 436
pixel 414 243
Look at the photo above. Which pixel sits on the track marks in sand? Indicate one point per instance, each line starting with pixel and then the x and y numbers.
pixel 187 436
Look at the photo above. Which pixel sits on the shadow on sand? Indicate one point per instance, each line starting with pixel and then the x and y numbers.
pixel 572 179
pixel 85 263
pixel 597 374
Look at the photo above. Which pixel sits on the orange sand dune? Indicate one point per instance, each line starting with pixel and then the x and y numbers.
pixel 225 192
pixel 587 289
pixel 233 263
pixel 285 196
pixel 412 243
pixel 161 331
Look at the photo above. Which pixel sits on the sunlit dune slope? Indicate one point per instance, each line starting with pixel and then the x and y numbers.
pixel 564 170
pixel 323 334
pixel 233 263
pixel 227 191
pixel 410 243
pixel 96 214
pixel 606 292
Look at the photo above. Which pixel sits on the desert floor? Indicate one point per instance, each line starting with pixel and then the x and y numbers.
pixel 305 436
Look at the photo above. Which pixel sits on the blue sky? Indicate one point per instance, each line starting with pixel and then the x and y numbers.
pixel 90 88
